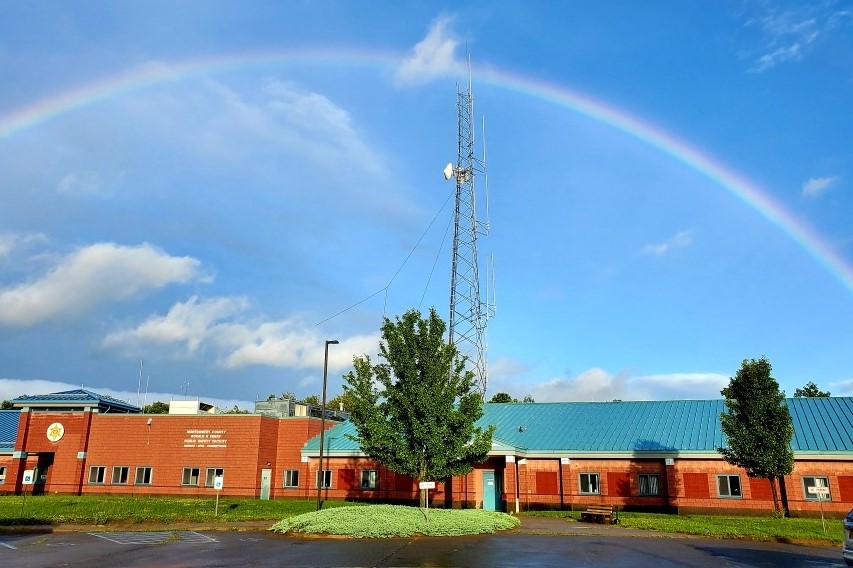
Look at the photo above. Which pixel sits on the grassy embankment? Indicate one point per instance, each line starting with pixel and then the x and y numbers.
pixel 713 526
pixel 98 510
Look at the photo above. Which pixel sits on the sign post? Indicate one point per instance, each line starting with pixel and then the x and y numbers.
pixel 426 486
pixel 217 485
pixel 822 493
pixel 29 479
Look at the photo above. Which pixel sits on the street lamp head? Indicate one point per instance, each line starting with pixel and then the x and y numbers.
pixel 332 342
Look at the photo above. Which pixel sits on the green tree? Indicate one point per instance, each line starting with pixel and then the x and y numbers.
pixel 156 408
pixel 313 400
pixel 6 405
pixel 416 412
pixel 343 401
pixel 502 397
pixel 757 425
pixel 236 410
pixel 810 390
pixel 528 398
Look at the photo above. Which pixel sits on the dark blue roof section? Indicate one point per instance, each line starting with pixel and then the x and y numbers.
pixel 8 429
pixel 75 398
pixel 681 426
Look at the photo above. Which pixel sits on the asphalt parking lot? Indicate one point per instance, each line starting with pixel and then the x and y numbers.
pixel 537 545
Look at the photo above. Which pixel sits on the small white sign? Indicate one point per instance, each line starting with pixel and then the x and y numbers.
pixel 217 483
pixel 426 485
pixel 29 477
pixel 565 461
pixel 819 490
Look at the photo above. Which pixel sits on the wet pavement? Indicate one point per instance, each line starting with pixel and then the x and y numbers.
pixel 538 542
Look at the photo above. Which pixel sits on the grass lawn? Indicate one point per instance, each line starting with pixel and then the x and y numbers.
pixel 378 521
pixel 96 510
pixel 714 526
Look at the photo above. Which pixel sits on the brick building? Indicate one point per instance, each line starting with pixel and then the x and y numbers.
pixel 640 455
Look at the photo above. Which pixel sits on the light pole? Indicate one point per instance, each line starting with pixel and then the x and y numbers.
pixel 320 474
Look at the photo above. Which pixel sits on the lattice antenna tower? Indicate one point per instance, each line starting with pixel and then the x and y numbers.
pixel 468 314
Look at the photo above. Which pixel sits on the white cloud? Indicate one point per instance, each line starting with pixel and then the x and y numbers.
pixel 81 184
pixel 96 274
pixel 788 36
pixel 220 326
pixel 679 240
pixel 816 186
pixel 433 57
pixel 187 323
pixel 599 385
pixel 9 242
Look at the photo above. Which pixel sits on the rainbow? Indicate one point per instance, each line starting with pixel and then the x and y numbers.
pixel 155 73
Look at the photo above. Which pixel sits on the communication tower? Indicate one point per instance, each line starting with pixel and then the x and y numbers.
pixel 468 313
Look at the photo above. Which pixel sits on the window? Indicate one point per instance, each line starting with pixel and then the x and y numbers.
pixel 728 486
pixel 212 473
pixel 816 481
pixel 120 474
pixel 327 479
pixel 589 484
pixel 143 475
pixel 97 474
pixel 648 484
pixel 369 479
pixel 190 476
pixel 291 478
pixel 2 474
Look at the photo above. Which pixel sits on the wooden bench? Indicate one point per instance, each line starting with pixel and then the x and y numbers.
pixel 599 514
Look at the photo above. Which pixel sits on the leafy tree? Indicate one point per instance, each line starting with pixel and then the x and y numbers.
pixel 528 398
pixel 288 394
pixel 313 399
pixel 156 408
pixel 342 401
pixel 416 412
pixel 810 390
pixel 236 410
pixel 502 397
pixel 6 405
pixel 757 425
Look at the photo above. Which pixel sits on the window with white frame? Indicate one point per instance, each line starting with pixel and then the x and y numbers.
pixel 97 474
pixel 2 474
pixel 291 478
pixel 648 484
pixel 816 481
pixel 121 473
pixel 211 473
pixel 143 475
pixel 588 483
pixel 369 479
pixel 190 476
pixel 326 479
pixel 728 486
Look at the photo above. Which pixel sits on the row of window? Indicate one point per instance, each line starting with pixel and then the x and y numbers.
pixel 648 484
pixel 369 479
pixel 190 476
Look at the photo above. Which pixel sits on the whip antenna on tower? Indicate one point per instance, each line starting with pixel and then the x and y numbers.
pixel 468 315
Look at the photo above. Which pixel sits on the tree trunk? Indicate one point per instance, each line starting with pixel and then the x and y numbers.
pixel 775 494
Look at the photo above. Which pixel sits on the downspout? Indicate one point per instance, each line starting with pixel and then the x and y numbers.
pixel 517 487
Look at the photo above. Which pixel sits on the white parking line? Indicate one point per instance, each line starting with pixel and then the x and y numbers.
pixel 159 537
pixel 7 545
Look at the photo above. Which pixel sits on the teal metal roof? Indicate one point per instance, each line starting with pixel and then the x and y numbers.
pixel 8 429
pixel 636 427
pixel 76 398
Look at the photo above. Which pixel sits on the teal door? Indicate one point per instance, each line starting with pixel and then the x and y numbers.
pixel 490 491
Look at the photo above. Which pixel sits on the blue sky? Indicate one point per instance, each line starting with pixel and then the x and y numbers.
pixel 209 186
